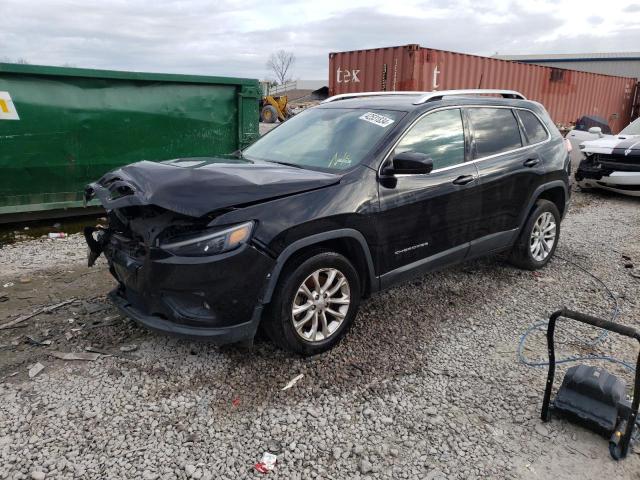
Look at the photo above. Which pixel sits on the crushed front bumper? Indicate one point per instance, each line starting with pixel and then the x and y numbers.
pixel 216 297
pixel 219 335
pixel 591 174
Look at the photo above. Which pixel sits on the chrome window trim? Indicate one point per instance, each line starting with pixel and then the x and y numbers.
pixel 475 160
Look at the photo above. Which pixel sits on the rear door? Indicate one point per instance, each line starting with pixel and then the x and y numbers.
pixel 509 167
pixel 424 218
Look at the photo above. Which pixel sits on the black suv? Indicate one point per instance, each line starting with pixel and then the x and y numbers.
pixel 342 200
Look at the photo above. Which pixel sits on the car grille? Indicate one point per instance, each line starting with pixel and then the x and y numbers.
pixel 129 246
pixel 621 163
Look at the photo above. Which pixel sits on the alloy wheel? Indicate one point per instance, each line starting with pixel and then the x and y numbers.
pixel 543 236
pixel 320 304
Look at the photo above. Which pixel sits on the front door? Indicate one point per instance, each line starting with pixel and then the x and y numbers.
pixel 424 218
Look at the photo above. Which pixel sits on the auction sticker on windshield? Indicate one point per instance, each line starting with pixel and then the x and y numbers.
pixel 377 119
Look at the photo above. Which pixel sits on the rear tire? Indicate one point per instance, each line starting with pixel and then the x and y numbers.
pixel 269 114
pixel 315 303
pixel 539 237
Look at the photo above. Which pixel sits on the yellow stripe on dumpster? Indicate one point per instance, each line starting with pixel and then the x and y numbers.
pixel 7 108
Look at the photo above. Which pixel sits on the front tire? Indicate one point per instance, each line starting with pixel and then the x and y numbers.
pixel 269 114
pixel 539 237
pixel 315 303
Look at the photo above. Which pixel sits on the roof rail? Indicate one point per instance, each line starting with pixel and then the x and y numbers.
pixel 344 96
pixel 432 96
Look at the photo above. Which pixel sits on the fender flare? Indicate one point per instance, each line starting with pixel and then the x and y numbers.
pixel 272 278
pixel 536 195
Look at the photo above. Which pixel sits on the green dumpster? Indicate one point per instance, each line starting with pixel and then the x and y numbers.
pixel 63 127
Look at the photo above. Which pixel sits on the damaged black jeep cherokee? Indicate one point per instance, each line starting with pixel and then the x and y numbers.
pixel 345 199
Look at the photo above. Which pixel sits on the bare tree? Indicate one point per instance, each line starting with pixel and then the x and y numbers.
pixel 21 61
pixel 281 63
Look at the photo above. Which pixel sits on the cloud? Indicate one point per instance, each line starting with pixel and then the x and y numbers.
pixel 235 38
pixel 634 7
pixel 624 39
pixel 365 28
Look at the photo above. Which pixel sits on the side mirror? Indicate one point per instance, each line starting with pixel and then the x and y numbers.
pixel 596 130
pixel 409 163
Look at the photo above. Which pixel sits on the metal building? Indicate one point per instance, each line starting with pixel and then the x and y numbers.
pixel 619 64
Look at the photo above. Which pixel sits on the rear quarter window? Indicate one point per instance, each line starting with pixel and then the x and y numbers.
pixel 495 130
pixel 533 129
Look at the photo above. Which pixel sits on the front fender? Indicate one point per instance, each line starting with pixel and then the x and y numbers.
pixel 272 278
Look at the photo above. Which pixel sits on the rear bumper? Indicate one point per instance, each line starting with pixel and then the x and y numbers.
pixel 219 335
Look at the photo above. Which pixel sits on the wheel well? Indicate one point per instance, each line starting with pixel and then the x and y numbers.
pixel 348 247
pixel 555 195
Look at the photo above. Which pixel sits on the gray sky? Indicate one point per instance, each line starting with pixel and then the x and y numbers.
pixel 233 37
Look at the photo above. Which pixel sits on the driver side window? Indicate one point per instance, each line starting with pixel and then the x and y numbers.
pixel 439 135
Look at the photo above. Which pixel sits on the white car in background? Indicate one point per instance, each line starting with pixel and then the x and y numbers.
pixel 585 129
pixel 612 162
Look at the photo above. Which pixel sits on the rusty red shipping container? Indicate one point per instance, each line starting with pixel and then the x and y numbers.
pixel 566 94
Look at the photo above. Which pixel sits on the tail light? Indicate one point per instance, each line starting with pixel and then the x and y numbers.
pixel 567 143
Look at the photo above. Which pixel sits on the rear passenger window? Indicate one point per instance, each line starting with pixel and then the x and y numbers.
pixel 532 127
pixel 495 130
pixel 439 135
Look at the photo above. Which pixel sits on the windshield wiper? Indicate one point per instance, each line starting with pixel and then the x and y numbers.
pixel 285 163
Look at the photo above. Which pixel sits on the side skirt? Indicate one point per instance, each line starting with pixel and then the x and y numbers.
pixel 486 245
pixel 420 267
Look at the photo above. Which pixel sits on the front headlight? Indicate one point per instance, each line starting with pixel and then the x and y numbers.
pixel 211 243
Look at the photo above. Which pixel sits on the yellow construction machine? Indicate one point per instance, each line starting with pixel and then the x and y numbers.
pixel 273 108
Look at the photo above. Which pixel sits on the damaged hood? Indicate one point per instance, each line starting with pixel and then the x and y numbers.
pixel 197 186
pixel 613 144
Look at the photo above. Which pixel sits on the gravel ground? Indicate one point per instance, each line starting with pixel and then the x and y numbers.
pixel 426 385
pixel 265 127
pixel 23 258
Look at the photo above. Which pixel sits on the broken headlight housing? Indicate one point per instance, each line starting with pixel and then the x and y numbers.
pixel 205 244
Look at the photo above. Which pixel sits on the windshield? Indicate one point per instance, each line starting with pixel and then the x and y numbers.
pixel 325 138
pixel 632 129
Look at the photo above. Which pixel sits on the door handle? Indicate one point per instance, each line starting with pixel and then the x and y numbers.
pixel 464 179
pixel 531 162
